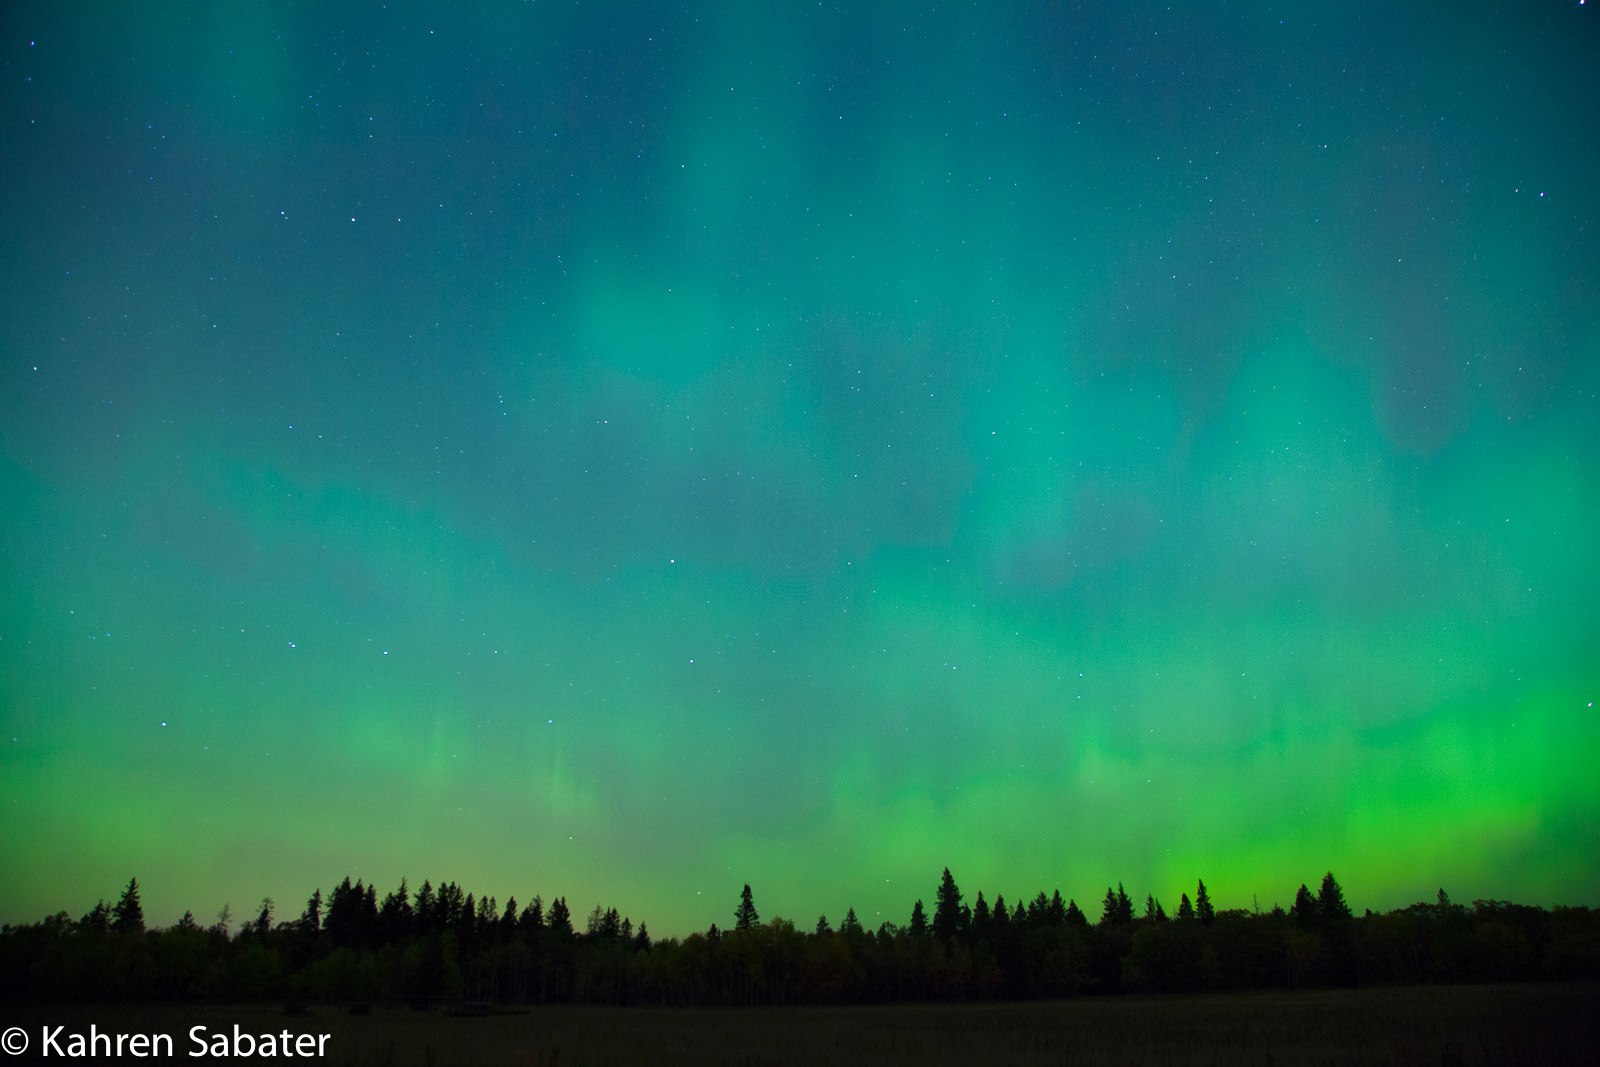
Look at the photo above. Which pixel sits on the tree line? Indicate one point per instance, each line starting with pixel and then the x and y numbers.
pixel 441 944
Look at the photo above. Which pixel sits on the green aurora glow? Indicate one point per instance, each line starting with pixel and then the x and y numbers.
pixel 628 450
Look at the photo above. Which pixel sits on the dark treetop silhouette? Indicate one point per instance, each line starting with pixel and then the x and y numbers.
pixel 444 943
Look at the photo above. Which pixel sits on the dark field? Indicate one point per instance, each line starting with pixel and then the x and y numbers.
pixel 1532 1024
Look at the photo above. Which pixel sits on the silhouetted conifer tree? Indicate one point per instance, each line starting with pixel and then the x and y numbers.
pixel 128 916
pixel 1330 900
pixel 1202 905
pixel 531 921
pixel 1002 916
pixel 1185 909
pixel 97 920
pixel 851 925
pixel 311 918
pixel 263 923
pixel 395 916
pixel 560 918
pixel 1075 915
pixel 1057 911
pixel 981 917
pixel 746 916
pixel 919 920
pixel 947 909
pixel 822 926
pixel 1304 908
pixel 187 923
pixel 1124 906
pixel 427 906
pixel 641 941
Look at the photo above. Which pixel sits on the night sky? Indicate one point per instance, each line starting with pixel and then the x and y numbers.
pixel 624 451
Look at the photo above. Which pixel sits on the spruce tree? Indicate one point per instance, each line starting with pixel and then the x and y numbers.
pixel 1185 909
pixel 947 909
pixel 746 916
pixel 1305 908
pixel 311 918
pixel 128 916
pixel 919 920
pixel 980 916
pixel 531 920
pixel 1108 908
pixel 1330 900
pixel 1202 904
pixel 97 920
pixel 560 918
pixel 263 923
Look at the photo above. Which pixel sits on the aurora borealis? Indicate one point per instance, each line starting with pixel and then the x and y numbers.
pixel 629 450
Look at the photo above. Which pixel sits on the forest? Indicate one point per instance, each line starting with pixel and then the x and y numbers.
pixel 440 945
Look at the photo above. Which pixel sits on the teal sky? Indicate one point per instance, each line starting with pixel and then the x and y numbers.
pixel 624 451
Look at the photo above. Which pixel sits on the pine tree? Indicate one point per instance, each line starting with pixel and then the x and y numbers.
pixel 532 918
pixel 1108 908
pixel 746 916
pixel 426 907
pixel 981 916
pixel 263 923
pixel 823 928
pixel 128 916
pixel 1330 900
pixel 947 909
pixel 311 918
pixel 1202 905
pixel 560 918
pixel 1002 917
pixel 1305 908
pixel 187 923
pixel 919 920
pixel 1075 915
pixel 641 941
pixel 395 916
pixel 851 925
pixel 1124 906
pixel 1185 909
pixel 97 920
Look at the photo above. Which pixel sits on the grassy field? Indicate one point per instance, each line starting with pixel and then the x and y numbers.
pixel 1531 1024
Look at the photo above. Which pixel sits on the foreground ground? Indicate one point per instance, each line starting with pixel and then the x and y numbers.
pixel 1524 1024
